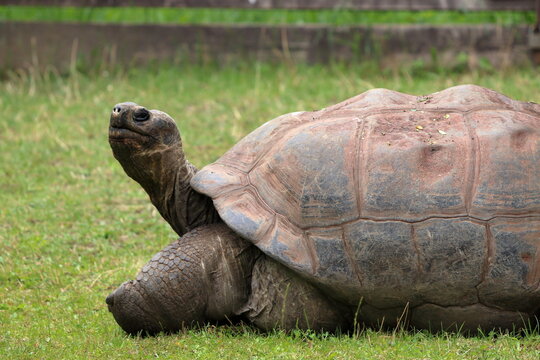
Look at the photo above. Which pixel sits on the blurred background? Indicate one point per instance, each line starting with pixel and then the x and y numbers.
pixel 64 33
pixel 73 226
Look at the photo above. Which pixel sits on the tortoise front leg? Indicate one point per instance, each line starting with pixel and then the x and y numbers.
pixel 203 276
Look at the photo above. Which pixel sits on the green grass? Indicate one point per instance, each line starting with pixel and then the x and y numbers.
pixel 236 16
pixel 73 226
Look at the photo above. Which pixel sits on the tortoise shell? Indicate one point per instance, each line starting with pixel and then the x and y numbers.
pixel 393 199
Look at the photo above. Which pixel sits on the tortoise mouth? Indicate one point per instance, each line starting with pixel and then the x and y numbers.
pixel 120 134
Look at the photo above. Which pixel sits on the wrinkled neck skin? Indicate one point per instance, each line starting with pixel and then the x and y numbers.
pixel 165 175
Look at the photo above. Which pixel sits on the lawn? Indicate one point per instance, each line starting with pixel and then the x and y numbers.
pixel 73 226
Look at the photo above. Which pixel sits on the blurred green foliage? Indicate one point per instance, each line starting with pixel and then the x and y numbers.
pixel 249 16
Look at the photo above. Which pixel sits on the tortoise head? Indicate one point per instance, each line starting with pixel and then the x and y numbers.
pixel 147 144
pixel 133 129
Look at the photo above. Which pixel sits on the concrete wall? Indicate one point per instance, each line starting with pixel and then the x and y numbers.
pixel 60 44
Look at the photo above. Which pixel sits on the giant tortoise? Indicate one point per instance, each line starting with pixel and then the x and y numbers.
pixel 386 208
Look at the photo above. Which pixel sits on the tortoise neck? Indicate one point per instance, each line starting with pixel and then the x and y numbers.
pixel 165 175
pixel 162 171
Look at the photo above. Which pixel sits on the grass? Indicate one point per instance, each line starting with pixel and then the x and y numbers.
pixel 73 226
pixel 237 16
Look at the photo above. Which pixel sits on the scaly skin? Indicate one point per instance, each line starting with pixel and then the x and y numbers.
pixel 148 146
pixel 212 274
pixel 204 276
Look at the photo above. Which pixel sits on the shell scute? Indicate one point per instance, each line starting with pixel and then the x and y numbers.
pixel 394 264
pixel 409 174
pixel 468 97
pixel 451 254
pixel 514 265
pixel 506 180
pixel 377 98
pixel 299 181
pixel 244 209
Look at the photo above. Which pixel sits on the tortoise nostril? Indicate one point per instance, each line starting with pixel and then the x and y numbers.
pixel 117 109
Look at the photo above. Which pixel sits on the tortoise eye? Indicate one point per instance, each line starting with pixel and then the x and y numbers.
pixel 141 115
